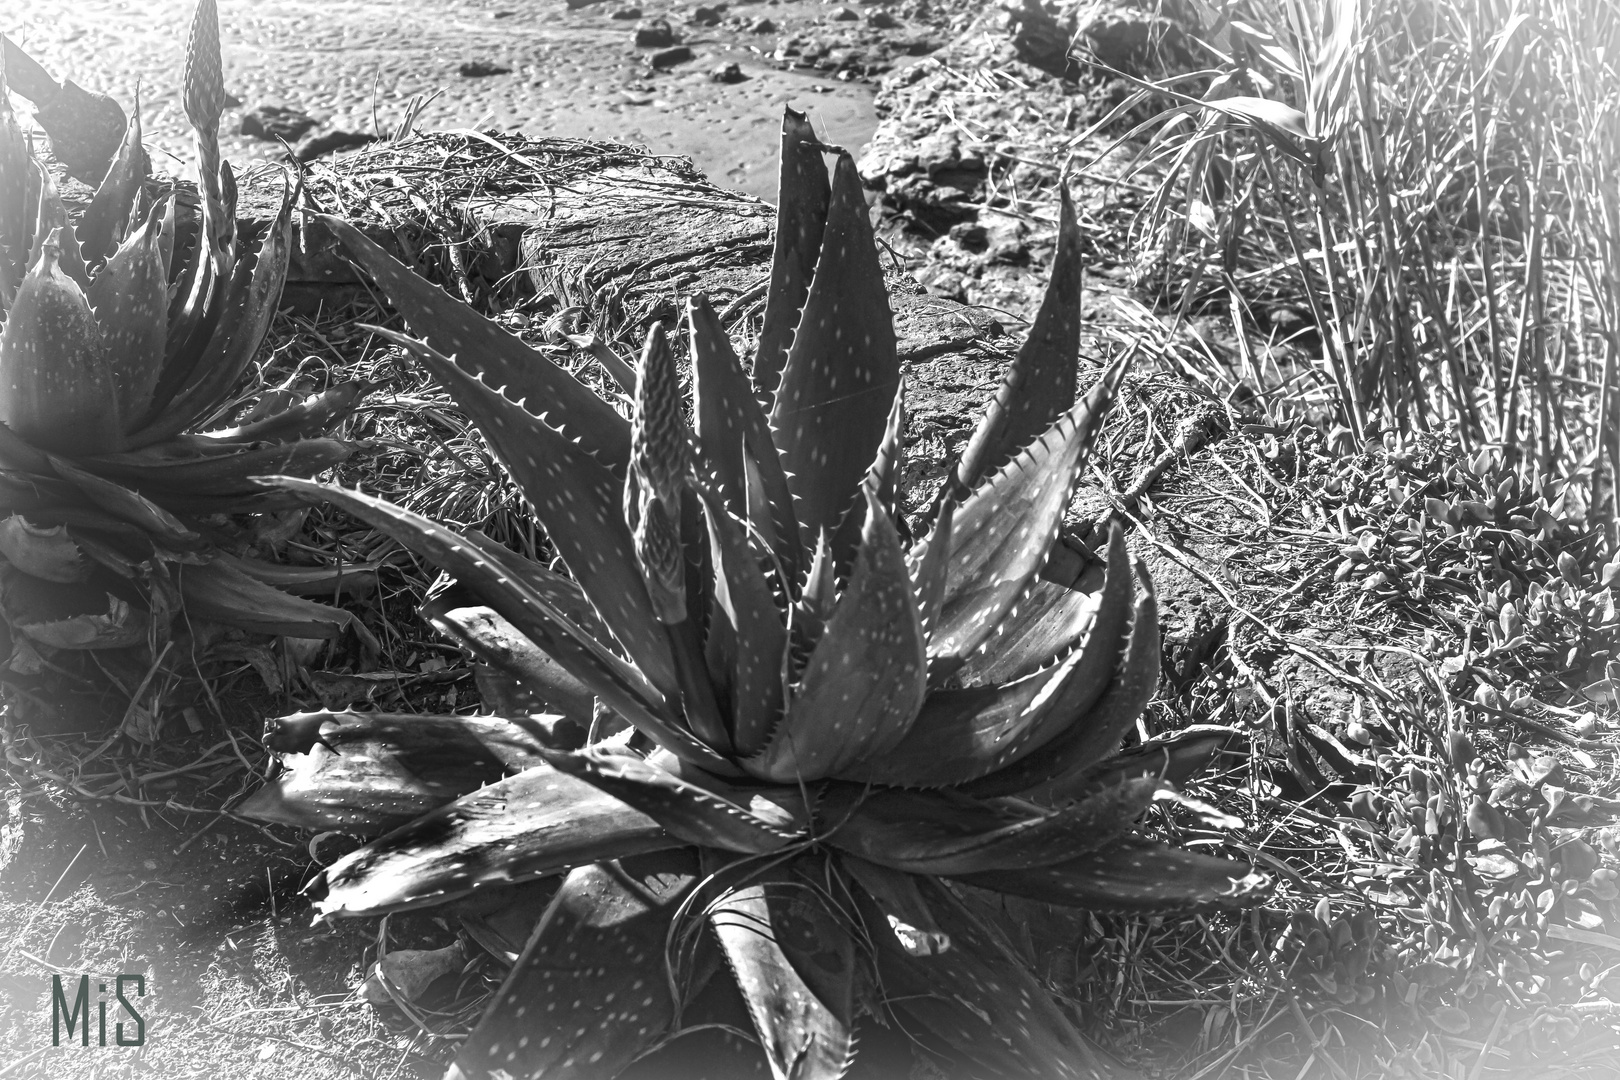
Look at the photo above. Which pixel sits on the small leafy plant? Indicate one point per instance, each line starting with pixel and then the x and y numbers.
pixel 775 740
pixel 124 331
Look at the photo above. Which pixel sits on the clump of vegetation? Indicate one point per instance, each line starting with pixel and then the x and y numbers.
pixel 767 689
pixel 1433 187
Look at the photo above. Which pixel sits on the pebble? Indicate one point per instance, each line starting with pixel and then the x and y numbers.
pixel 271 122
pixel 626 13
pixel 478 69
pixel 666 58
pixel 704 16
pixel 727 73
pixel 654 34
pixel 845 14
pixel 763 26
pixel 881 20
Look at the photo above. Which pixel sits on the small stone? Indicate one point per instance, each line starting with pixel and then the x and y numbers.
pixel 479 69
pixel 503 14
pixel 881 20
pixel 575 5
pixel 668 58
pixel 654 34
pixel 330 142
pixel 763 26
pixel 844 14
pixel 273 122
pixel 626 13
pixel 704 16
pixel 727 73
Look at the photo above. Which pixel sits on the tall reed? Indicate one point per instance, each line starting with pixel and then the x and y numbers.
pixel 1437 184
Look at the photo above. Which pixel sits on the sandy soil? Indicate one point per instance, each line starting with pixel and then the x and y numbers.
pixel 355 63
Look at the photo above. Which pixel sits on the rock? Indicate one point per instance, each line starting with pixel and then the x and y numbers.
pixel 727 73
pixel 654 34
pixel 763 26
pixel 668 58
pixel 479 69
pixel 704 16
pixel 881 20
pixel 1126 38
pixel 575 5
pixel 1040 41
pixel 273 122
pixel 626 13
pixel 844 14
pixel 330 142
pixel 85 128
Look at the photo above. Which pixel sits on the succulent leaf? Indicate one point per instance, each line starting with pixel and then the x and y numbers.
pixel 1094 733
pixel 618 684
pixel 896 897
pixel 978 1001
pixel 745 609
pixel 130 298
pixel 576 499
pixel 964 734
pixel 928 561
pixel 842 372
pixel 56 389
pixel 106 218
pixel 733 434
pixel 801 220
pixel 483 632
pixel 126 505
pixel 930 833
pixel 587 995
pixel 221 473
pixel 1040 384
pixel 689 812
pixel 1049 621
pixel 222 592
pixel 315 415
pixel 370 772
pixel 53 215
pixel 48 553
pixel 69 616
pixel 880 480
pixel 527 826
pixel 487 350
pixel 1133 874
pixel 801 1010
pixel 865 679
pixel 1003 531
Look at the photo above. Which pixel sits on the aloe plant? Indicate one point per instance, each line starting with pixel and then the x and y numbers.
pixel 767 716
pixel 123 331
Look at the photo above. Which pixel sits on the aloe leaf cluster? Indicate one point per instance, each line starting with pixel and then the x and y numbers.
pixel 124 330
pixel 778 741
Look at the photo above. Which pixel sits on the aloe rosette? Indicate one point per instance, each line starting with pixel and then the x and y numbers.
pixel 776 741
pixel 123 331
